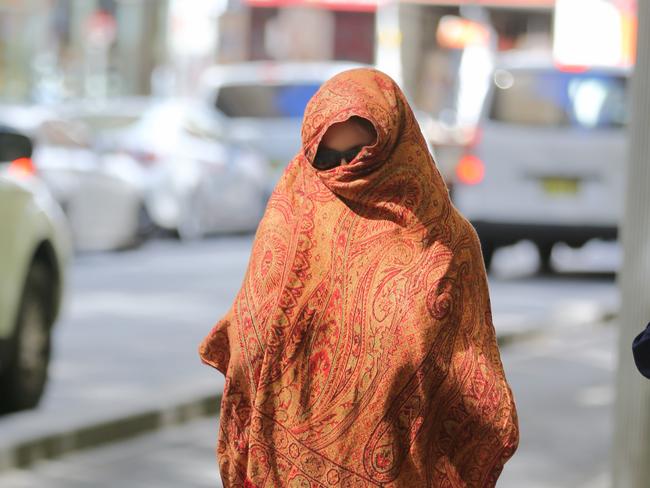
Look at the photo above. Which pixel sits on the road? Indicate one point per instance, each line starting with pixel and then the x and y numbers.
pixel 563 386
pixel 132 316
pixel 132 322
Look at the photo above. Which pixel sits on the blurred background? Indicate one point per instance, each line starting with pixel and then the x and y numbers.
pixel 141 139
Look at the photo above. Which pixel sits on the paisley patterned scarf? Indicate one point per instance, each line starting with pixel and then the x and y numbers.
pixel 360 350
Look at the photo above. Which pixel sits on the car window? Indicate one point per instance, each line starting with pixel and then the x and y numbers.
pixel 265 101
pixel 167 120
pixel 100 123
pixel 81 131
pixel 559 99
pixel 73 134
pixel 14 146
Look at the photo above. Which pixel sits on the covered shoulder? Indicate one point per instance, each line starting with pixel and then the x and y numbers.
pixel 463 258
pixel 465 233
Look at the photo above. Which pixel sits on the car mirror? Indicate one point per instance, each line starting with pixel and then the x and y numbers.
pixel 14 146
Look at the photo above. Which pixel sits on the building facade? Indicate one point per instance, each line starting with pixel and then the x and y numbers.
pixel 57 49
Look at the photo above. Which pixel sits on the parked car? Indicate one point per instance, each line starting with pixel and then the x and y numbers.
pixel 261 104
pixel 196 183
pixel 101 194
pixel 34 248
pixel 548 161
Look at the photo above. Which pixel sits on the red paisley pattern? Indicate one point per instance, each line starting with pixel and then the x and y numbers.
pixel 360 350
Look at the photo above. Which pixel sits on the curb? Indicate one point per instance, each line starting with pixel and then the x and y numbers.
pixel 54 445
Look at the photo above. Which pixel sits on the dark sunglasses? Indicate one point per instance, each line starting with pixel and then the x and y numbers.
pixel 327 158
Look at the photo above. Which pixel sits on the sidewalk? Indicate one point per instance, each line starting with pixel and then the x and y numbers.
pixel 126 358
pixel 562 381
pixel 49 433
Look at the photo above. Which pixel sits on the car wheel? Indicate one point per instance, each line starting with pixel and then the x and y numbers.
pixel 23 381
pixel 488 252
pixel 545 252
pixel 190 225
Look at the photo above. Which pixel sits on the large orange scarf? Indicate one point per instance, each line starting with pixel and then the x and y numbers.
pixel 360 350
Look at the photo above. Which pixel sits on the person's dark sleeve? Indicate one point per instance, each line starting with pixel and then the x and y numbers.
pixel 641 351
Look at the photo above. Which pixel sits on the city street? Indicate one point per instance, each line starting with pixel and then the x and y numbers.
pixel 133 320
pixel 144 138
pixel 563 387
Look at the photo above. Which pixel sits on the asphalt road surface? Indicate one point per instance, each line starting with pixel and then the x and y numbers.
pixel 133 320
pixel 562 383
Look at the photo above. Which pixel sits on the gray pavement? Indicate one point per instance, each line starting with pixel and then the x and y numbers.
pixel 562 383
pixel 563 387
pixel 127 341
pixel 125 347
pixel 174 457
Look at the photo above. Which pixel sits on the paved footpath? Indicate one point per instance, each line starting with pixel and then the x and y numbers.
pixel 563 386
pixel 125 348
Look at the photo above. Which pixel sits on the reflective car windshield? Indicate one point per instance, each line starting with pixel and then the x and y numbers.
pixel 104 122
pixel 265 101
pixel 559 99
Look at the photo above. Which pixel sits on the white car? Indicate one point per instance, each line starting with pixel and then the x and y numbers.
pixel 101 194
pixel 548 160
pixel 34 249
pixel 261 104
pixel 196 183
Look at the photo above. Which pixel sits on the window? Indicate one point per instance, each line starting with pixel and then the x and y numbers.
pixel 14 146
pixel 265 101
pixel 559 99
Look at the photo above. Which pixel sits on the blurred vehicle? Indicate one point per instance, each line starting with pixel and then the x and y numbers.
pixel 101 195
pixel 196 183
pixel 548 160
pixel 261 104
pixel 33 255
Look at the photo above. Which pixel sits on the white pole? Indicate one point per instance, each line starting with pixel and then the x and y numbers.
pixel 631 455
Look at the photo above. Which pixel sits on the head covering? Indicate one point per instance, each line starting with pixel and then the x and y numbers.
pixel 360 350
pixel 641 351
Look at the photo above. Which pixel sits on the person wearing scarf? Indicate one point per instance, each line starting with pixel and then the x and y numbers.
pixel 360 350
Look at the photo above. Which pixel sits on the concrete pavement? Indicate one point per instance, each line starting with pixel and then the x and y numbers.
pixel 125 349
pixel 563 383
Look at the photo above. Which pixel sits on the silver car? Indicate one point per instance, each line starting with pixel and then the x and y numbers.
pixel 101 194
pixel 548 161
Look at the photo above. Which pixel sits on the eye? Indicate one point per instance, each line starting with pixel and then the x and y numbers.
pixel 327 158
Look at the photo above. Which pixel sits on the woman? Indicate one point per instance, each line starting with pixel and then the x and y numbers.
pixel 360 349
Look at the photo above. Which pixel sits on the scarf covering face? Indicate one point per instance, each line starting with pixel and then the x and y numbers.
pixel 360 350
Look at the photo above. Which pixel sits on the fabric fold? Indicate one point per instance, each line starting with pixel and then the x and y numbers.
pixel 360 349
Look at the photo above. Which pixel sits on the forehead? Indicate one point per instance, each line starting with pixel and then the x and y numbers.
pixel 347 134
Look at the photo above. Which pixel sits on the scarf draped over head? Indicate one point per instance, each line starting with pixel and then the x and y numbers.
pixel 360 350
